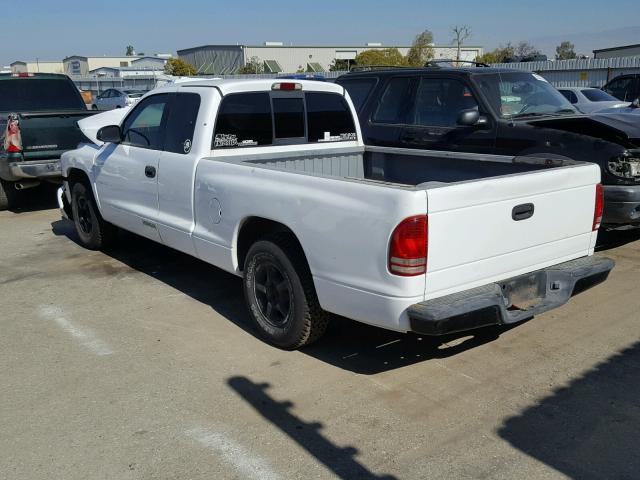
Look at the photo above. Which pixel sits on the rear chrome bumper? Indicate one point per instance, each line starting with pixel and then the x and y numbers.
pixel 32 169
pixel 510 301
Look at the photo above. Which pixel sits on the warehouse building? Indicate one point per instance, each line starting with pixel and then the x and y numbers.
pixel 78 65
pixel 276 57
pixel 615 52
pixel 37 66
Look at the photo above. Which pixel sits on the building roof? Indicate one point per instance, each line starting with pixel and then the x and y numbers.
pixel 621 47
pixel 185 50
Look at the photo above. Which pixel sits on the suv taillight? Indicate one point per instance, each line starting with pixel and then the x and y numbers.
pixel 408 247
pixel 599 208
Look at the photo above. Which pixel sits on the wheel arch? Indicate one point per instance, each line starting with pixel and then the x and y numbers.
pixel 254 228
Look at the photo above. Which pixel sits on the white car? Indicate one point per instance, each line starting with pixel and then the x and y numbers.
pixel 270 180
pixel 591 100
pixel 115 98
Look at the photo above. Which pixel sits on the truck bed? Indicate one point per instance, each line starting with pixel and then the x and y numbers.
pixel 403 167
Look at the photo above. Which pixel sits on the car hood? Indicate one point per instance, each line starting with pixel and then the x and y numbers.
pixel 621 128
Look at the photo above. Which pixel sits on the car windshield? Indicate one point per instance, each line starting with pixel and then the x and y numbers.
pixel 595 95
pixel 521 94
pixel 38 94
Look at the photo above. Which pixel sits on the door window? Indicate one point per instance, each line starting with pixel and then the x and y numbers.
pixel 181 123
pixel 143 126
pixel 439 102
pixel 244 120
pixel 620 88
pixel 394 102
pixel 329 118
pixel 571 96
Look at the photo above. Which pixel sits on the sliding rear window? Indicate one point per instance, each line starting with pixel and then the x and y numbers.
pixel 278 118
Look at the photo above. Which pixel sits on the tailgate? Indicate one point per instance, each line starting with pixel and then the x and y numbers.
pixel 49 134
pixel 479 232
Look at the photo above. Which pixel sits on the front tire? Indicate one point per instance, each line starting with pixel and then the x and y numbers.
pixel 94 232
pixel 280 294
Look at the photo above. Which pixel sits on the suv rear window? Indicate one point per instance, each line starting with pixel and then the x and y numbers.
pixel 244 120
pixel 39 94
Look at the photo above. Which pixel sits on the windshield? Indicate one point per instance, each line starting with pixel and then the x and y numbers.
pixel 596 95
pixel 520 94
pixel 38 94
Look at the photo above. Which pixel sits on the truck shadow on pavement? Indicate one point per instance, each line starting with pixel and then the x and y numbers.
pixel 589 429
pixel 340 460
pixel 349 345
pixel 614 238
pixel 42 197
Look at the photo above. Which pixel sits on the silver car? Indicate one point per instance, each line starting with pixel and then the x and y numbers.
pixel 116 98
pixel 590 100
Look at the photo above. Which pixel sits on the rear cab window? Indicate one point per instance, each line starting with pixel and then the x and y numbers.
pixel 33 94
pixel 278 118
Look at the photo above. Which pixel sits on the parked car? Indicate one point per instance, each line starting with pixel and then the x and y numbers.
pixel 115 98
pixel 624 87
pixel 38 115
pixel 498 111
pixel 590 100
pixel 270 180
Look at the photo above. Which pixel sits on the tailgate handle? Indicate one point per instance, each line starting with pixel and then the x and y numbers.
pixel 522 212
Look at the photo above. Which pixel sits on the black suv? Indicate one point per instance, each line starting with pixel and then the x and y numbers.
pixel 624 87
pixel 498 111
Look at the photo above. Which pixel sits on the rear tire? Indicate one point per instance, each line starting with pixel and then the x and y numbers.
pixel 8 195
pixel 94 107
pixel 94 232
pixel 280 294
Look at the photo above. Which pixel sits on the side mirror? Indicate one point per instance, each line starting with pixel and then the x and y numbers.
pixel 468 118
pixel 110 134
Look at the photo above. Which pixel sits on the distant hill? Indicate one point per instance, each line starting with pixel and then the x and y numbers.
pixel 586 42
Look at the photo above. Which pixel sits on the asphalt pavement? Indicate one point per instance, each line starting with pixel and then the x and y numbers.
pixel 141 363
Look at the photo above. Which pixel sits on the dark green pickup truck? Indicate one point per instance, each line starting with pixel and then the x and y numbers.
pixel 38 115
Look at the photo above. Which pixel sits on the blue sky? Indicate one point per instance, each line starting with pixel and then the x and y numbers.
pixel 51 30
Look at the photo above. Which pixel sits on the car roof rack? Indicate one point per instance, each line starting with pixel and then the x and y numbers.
pixel 369 68
pixel 452 63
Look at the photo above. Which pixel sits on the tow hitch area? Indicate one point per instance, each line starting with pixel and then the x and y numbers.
pixel 509 301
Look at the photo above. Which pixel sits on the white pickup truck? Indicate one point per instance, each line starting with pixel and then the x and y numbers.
pixel 270 180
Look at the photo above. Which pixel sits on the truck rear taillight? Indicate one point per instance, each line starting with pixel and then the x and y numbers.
pixel 408 247
pixel 286 86
pixel 22 74
pixel 599 208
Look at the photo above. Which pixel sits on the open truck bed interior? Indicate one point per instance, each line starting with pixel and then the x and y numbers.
pixel 398 166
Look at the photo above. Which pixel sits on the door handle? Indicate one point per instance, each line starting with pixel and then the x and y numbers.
pixel 522 212
pixel 150 171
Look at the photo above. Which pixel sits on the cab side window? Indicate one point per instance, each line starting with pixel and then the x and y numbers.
pixel 439 102
pixel 181 123
pixel 143 127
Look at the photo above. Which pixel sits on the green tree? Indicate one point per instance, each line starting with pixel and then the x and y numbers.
pixel 179 68
pixel 499 55
pixel 383 56
pixel 253 65
pixel 565 51
pixel 340 65
pixel 525 49
pixel 421 50
pixel 130 51
pixel 460 34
